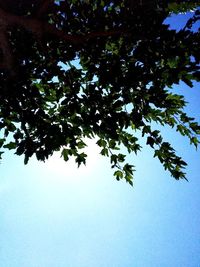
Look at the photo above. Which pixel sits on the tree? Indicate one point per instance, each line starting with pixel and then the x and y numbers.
pixel 128 61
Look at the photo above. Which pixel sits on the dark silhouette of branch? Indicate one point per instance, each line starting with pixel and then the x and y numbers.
pixel 39 29
pixel 44 7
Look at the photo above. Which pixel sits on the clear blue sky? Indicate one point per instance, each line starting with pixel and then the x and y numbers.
pixel 53 215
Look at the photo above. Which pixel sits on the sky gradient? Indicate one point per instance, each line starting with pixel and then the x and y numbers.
pixel 55 215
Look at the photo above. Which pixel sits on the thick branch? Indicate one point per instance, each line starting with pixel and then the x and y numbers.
pixel 7 58
pixel 44 7
pixel 39 29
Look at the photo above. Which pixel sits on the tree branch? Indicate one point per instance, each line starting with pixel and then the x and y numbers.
pixel 39 29
pixel 7 58
pixel 44 7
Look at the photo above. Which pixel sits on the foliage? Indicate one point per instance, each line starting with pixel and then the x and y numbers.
pixel 128 61
pixel 182 6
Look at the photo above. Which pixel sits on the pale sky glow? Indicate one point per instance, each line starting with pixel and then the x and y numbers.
pixel 55 215
pixel 69 170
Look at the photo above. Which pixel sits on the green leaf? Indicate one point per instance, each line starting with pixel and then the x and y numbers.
pixel 65 154
pixel 104 152
pixel 1 152
pixel 101 143
pixel 81 144
pixel 81 159
pixel 11 145
pixel 2 140
pixel 118 174
pixel 150 141
pixel 26 159
pixel 121 157
pixel 194 140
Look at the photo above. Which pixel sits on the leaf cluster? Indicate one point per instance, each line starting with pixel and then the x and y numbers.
pixel 107 74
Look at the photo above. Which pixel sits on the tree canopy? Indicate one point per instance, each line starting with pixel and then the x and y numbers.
pixel 79 69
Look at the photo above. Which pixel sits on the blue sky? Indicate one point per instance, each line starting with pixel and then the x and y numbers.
pixel 53 214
